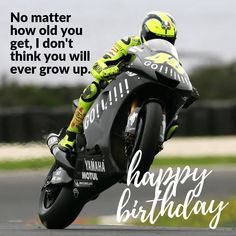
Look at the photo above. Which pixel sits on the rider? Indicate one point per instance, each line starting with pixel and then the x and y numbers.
pixel 155 25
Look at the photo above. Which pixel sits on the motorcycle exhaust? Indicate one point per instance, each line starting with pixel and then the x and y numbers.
pixel 60 156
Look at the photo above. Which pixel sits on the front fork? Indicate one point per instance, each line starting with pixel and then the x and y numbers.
pixel 132 124
pixel 132 118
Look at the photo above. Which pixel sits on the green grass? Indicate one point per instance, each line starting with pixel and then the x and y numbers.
pixel 43 162
pixel 46 162
pixel 227 218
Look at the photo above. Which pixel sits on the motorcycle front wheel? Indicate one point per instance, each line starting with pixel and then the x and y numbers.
pixel 58 207
pixel 147 135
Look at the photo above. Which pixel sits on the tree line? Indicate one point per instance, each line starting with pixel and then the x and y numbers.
pixel 215 82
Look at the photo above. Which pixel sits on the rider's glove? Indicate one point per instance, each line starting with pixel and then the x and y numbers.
pixel 109 72
pixel 194 96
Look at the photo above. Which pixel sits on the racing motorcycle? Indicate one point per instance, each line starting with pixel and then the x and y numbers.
pixel 132 113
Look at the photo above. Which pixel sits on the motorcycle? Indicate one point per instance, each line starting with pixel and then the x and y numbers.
pixel 132 113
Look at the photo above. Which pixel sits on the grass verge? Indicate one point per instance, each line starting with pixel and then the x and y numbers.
pixel 46 162
pixel 38 163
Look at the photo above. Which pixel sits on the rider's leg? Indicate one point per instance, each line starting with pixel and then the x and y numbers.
pixel 76 125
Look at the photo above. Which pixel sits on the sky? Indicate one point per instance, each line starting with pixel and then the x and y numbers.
pixel 205 30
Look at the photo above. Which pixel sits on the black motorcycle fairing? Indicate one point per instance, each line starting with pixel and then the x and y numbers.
pixel 60 176
pixel 159 60
pixel 100 117
pixel 107 118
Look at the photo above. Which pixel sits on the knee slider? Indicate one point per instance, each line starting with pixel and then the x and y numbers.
pixel 91 92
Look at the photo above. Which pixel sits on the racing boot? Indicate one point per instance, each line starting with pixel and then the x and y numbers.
pixel 68 142
pixel 75 127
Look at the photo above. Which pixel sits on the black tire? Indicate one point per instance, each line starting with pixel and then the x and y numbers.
pixel 148 134
pixel 63 210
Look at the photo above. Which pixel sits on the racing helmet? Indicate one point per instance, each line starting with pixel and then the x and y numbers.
pixel 159 25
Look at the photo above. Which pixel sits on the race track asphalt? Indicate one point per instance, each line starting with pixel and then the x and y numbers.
pixel 19 193
pixel 101 230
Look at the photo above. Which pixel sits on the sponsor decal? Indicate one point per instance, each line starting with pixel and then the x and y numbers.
pixel 162 57
pixel 89 176
pixel 82 183
pixel 114 95
pixel 98 166
pixel 166 64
